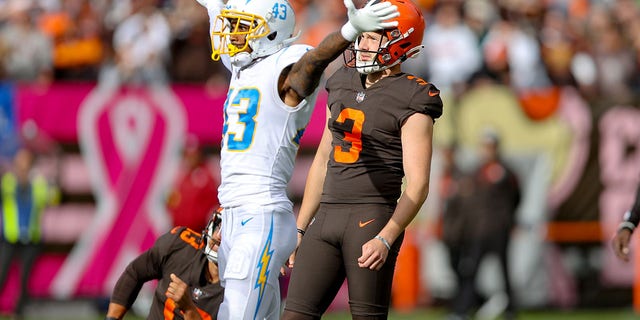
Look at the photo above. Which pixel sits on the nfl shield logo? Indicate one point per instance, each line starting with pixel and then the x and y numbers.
pixel 360 96
pixel 197 293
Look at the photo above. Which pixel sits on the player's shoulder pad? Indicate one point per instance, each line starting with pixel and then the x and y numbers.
pixel 180 231
pixel 291 54
pixel 426 98
pixel 169 239
pixel 184 236
pixel 341 78
pixel 177 230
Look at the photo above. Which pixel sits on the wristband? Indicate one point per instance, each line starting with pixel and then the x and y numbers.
pixel 626 225
pixel 384 241
pixel 301 232
pixel 349 32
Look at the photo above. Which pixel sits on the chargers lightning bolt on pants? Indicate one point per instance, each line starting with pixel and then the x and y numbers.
pixel 256 242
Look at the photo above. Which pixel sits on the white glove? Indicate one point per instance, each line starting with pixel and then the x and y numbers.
pixel 371 17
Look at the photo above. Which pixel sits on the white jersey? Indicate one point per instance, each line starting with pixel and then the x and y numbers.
pixel 261 134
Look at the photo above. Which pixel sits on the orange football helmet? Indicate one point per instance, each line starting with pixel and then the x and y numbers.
pixel 402 42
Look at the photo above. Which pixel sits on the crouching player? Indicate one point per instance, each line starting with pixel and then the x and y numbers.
pixel 185 263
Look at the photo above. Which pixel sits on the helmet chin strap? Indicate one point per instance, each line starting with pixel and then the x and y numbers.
pixel 366 67
pixel 241 59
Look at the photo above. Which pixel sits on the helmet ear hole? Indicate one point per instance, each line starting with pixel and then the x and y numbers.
pixel 272 36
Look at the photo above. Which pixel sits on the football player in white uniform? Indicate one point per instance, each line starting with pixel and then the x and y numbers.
pixel 270 100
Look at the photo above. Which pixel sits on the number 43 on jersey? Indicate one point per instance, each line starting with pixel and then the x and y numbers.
pixel 240 111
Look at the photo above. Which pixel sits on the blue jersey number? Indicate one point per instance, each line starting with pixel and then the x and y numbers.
pixel 240 111
pixel 280 11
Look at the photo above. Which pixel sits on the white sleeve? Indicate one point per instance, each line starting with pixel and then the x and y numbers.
pixel 213 9
pixel 291 55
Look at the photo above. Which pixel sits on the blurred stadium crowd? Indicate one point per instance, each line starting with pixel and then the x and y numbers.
pixel 590 44
pixel 532 49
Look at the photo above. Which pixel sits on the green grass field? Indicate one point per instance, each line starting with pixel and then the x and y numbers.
pixel 433 314
pixel 528 315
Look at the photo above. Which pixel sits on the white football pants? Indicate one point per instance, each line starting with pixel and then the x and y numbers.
pixel 256 243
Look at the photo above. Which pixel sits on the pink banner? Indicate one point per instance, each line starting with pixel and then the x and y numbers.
pixel 55 110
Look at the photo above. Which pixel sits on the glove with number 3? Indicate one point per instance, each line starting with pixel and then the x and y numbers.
pixel 371 17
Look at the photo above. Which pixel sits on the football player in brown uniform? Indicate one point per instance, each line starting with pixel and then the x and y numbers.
pixel 185 263
pixel 621 239
pixel 353 215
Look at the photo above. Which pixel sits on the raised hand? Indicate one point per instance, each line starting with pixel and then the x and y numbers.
pixel 371 17
pixel 178 291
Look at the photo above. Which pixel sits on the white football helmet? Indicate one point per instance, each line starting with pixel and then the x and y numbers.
pixel 267 25
pixel 212 227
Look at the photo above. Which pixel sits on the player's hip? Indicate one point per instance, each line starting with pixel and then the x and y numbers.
pixel 254 198
pixel 350 221
pixel 258 221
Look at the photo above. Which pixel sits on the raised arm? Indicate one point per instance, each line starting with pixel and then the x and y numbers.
pixel 145 267
pixel 213 9
pixel 304 76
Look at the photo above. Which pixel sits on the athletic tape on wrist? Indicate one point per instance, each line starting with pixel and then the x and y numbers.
pixel 626 225
pixel 384 241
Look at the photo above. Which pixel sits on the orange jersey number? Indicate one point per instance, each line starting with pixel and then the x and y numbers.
pixel 189 236
pixel 170 308
pixel 354 137
pixel 420 81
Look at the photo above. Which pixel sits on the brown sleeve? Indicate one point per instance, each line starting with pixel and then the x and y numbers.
pixel 147 266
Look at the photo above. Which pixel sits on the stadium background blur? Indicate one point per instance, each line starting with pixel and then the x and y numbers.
pixel 563 96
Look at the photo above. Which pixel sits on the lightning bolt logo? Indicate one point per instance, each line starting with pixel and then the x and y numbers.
pixel 263 268
pixel 298 136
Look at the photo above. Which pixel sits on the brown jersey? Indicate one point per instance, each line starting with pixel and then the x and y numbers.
pixel 178 252
pixel 365 165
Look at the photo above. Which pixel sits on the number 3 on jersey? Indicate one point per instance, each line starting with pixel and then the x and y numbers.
pixel 240 111
pixel 354 137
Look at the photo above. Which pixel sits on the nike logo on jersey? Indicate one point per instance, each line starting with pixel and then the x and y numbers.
pixel 363 224
pixel 243 222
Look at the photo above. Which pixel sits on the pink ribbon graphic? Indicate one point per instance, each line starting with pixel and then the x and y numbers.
pixel 130 140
